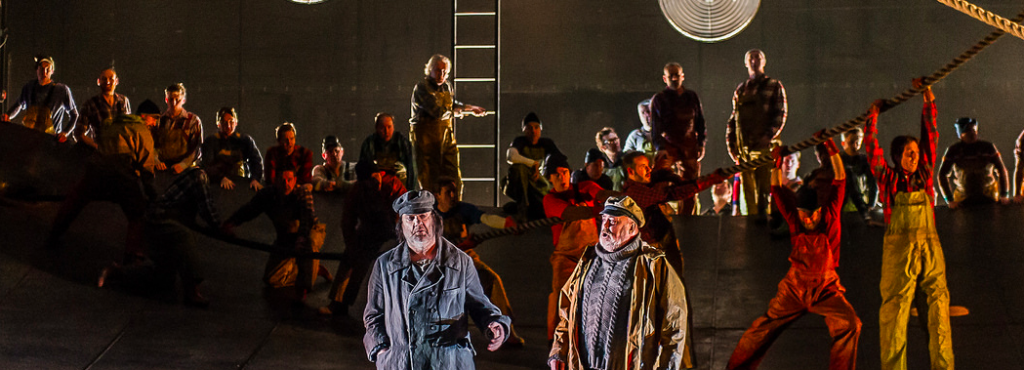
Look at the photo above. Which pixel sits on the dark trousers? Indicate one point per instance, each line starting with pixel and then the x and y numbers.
pixel 104 184
pixel 348 280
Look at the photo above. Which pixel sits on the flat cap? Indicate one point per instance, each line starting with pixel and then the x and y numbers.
pixel 414 202
pixel 624 206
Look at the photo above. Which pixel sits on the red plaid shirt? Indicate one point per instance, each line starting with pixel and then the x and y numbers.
pixel 892 180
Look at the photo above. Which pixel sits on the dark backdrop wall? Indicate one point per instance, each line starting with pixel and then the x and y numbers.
pixel 580 65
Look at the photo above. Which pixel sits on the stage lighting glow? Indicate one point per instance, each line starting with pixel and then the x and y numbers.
pixel 307 2
pixel 709 20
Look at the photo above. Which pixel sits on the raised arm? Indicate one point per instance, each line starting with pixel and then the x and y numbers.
pixel 689 188
pixel 929 127
pixel 875 154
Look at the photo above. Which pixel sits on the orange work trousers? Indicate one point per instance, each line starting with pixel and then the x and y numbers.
pixel 797 295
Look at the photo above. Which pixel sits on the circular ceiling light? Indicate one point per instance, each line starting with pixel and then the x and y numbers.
pixel 307 2
pixel 709 20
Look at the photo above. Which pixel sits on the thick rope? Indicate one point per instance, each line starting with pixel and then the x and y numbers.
pixel 1011 26
pixel 767 159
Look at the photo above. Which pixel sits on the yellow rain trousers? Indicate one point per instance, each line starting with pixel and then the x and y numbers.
pixel 911 252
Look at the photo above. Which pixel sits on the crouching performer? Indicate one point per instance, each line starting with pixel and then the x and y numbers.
pixel 421 295
pixel 811 285
pixel 623 307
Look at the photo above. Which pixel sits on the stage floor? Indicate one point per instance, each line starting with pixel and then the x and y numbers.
pixel 52 316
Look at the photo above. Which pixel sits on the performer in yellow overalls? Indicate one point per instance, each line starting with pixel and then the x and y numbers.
pixel 911 251
pixel 433 137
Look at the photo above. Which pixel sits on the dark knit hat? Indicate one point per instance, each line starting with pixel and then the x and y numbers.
pixel 148 107
pixel 962 123
pixel 532 117
pixel 330 142
pixel 624 206
pixel 593 155
pixel 414 202
pixel 365 169
pixel 553 161
pixel 807 198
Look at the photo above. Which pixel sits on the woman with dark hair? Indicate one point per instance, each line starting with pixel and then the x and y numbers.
pixel 911 249
pixel 229 153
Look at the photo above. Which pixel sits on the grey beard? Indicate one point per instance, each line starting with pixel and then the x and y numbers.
pixel 420 247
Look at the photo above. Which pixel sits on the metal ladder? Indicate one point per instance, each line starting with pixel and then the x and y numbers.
pixel 479 55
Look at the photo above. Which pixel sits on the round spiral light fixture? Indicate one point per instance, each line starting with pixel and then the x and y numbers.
pixel 709 20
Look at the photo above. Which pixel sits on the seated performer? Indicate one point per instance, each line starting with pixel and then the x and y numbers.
pixel 524 183
pixel 458 217
pixel 623 307
pixel 721 194
pixel 170 244
pixel 578 205
pixel 593 170
pixel 861 187
pixel 335 174
pixel 367 222
pixel 231 154
pixel 290 208
pixel 912 256
pixel 811 285
pixel 288 154
pixel 611 151
pixel 122 172
pixel 640 139
pixel 391 150
pixel 179 134
pixel 975 164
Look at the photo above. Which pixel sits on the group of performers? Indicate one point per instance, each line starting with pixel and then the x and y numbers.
pixel 614 241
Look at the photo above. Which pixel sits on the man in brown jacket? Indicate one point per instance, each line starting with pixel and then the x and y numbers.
pixel 623 307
